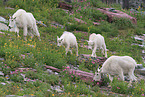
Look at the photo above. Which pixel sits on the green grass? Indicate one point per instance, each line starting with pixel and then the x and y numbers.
pixel 118 37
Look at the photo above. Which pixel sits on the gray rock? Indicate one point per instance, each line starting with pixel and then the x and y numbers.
pixel 11 96
pixel 3 83
pixel 29 45
pixel 49 71
pixel 49 90
pixel 57 89
pixel 56 73
pixel 3 20
pixel 23 75
pixel 9 8
pixel 2 59
pixel 1 73
pixel 41 23
pixel 139 66
pixel 137 44
pixel 3 27
pixel 57 24
pixel 8 82
pixel 143 51
pixel 137 38
pixel 140 71
pixel 29 96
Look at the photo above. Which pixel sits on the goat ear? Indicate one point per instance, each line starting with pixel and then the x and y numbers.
pixel 57 37
pixel 87 40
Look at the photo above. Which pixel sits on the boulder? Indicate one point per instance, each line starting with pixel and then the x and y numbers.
pixel 87 58
pixel 65 6
pixel 3 27
pixel 116 13
pixel 3 20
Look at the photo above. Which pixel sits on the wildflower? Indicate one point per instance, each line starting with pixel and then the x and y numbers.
pixel 118 88
pixel 142 94
pixel 21 70
pixel 73 72
pixel 67 67
pixel 52 94
pixel 80 16
pixel 93 62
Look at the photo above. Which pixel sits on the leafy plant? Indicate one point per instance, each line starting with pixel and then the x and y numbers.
pixel 122 23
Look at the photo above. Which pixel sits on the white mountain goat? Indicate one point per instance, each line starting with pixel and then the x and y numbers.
pixel 25 20
pixel 119 65
pixel 68 40
pixel 97 41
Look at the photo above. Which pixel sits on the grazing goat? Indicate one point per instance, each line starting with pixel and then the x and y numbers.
pixel 119 65
pixel 97 41
pixel 25 20
pixel 68 39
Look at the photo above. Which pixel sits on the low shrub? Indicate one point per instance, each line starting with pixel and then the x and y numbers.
pixel 122 23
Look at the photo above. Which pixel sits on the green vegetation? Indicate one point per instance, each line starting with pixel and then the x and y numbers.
pixel 36 54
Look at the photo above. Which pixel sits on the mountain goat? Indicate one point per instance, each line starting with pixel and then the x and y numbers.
pixel 68 39
pixel 25 20
pixel 97 41
pixel 119 65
